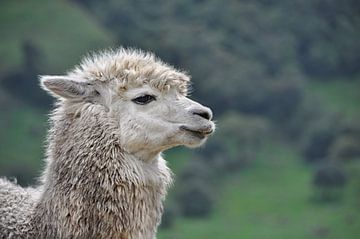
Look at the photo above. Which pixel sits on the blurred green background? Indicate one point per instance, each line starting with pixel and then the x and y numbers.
pixel 283 79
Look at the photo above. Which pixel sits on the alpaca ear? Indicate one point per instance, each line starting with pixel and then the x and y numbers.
pixel 67 87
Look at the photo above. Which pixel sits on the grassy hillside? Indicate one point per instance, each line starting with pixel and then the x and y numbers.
pixel 272 199
pixel 339 95
pixel 50 25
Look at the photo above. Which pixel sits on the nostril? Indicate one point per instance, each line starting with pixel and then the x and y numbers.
pixel 203 114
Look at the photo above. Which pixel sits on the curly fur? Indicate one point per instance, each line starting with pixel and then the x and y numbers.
pixel 94 185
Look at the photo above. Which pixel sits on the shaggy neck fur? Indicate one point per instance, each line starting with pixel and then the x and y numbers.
pixel 93 188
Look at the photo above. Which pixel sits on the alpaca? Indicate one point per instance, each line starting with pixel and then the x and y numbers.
pixel 105 176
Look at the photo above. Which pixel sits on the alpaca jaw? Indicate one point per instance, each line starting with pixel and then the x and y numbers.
pixel 195 137
pixel 199 132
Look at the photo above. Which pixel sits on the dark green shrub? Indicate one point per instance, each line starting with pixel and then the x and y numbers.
pixel 329 181
pixel 168 217
pixel 196 200
pixel 319 137
pixel 346 148
pixel 283 100
pixel 309 111
pixel 196 169
pixel 236 141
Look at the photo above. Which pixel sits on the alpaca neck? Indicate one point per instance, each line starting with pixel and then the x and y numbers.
pixel 91 180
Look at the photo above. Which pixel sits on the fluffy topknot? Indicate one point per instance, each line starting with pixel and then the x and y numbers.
pixel 130 67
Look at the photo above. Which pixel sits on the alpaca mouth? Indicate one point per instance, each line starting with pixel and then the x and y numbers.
pixel 199 133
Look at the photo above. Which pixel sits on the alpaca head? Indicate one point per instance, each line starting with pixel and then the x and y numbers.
pixel 144 98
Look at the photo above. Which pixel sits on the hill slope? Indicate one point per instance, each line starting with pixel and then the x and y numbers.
pixel 49 25
pixel 258 203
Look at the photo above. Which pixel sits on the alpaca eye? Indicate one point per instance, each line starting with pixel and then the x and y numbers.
pixel 143 100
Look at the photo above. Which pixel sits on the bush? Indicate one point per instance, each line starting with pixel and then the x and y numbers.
pixel 329 181
pixel 196 200
pixel 168 217
pixel 196 169
pixel 347 145
pixel 236 142
pixel 346 148
pixel 319 138
pixel 283 100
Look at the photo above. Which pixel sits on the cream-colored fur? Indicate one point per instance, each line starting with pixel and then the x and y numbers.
pixel 104 175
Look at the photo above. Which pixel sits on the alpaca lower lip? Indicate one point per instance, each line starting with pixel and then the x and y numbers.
pixel 200 133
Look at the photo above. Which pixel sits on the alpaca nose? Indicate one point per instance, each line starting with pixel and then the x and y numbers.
pixel 203 112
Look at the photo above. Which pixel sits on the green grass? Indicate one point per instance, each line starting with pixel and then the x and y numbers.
pixel 62 31
pixel 272 199
pixel 21 143
pixel 338 95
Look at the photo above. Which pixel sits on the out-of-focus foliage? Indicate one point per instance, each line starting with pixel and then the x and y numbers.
pixel 253 46
pixel 168 217
pixel 61 31
pixel 196 200
pixel 347 145
pixel 28 92
pixel 281 76
pixel 233 148
pixel 236 142
pixel 346 148
pixel 319 137
pixel 329 181
pixel 197 188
